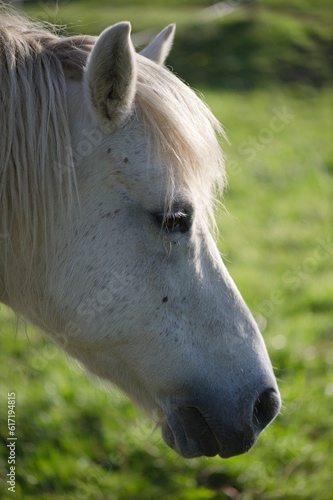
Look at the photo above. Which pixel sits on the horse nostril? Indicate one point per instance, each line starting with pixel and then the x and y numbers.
pixel 265 409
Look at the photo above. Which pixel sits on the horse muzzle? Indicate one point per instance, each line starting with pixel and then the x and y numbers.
pixel 208 427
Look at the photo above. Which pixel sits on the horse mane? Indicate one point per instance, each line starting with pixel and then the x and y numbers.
pixel 35 139
pixel 35 62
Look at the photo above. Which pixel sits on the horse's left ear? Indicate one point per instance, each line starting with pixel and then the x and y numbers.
pixel 111 76
pixel 158 50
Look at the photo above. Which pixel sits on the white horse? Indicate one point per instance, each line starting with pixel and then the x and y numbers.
pixel 108 164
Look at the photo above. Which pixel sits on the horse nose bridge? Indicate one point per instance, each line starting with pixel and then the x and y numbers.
pixel 219 304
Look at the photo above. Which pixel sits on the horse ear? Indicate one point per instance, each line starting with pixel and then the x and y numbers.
pixel 158 50
pixel 111 75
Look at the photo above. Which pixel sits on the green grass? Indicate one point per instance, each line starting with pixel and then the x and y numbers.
pixel 83 17
pixel 264 42
pixel 77 441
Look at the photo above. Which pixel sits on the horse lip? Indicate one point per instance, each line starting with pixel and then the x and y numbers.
pixel 185 447
pixel 234 450
pixel 177 439
pixel 190 439
pixel 191 434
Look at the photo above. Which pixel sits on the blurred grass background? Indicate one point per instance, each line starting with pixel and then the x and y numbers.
pixel 265 59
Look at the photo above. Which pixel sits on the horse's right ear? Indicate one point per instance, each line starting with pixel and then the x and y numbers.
pixel 111 76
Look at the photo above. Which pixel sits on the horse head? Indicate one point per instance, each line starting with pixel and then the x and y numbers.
pixel 139 293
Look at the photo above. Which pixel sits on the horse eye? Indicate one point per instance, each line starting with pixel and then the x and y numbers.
pixel 174 222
